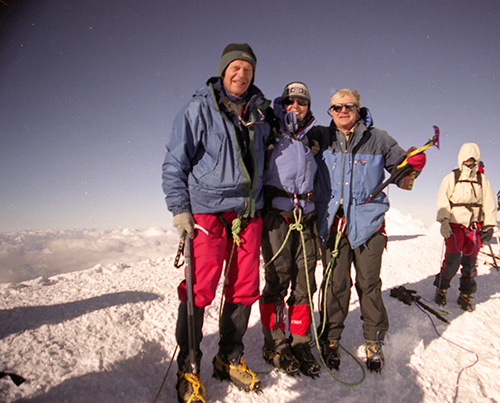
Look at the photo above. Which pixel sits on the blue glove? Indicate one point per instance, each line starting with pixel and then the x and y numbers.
pixel 287 120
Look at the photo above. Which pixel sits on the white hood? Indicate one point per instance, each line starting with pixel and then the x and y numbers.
pixel 468 150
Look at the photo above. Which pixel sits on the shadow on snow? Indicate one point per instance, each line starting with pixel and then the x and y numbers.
pixel 20 319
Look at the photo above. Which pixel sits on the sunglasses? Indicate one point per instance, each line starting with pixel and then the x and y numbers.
pixel 348 107
pixel 291 101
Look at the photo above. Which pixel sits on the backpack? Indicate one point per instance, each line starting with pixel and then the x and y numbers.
pixel 478 180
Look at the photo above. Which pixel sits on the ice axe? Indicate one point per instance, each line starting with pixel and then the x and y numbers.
pixel 403 168
pixel 408 296
pixel 190 308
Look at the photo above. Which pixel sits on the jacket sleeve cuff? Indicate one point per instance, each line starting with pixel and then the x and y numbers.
pixel 180 209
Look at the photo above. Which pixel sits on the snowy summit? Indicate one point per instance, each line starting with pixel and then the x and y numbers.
pixel 89 316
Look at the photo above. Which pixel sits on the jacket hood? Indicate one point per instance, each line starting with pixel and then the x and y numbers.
pixel 468 150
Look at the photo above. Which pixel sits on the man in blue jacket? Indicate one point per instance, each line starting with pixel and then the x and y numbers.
pixel 212 179
pixel 351 167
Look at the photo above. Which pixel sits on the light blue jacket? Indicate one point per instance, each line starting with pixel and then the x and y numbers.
pixel 351 172
pixel 204 171
pixel 291 167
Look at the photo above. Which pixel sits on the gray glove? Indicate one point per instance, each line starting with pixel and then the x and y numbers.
pixel 486 235
pixel 184 222
pixel 445 229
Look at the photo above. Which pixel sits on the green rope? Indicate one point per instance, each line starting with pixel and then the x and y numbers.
pixel 291 227
pixel 166 375
pixel 326 277
pixel 236 227
pixel 334 255
pixel 297 226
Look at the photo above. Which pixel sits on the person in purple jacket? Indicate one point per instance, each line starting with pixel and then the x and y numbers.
pixel 289 241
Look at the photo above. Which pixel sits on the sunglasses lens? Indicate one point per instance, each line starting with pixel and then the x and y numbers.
pixel 291 101
pixel 348 107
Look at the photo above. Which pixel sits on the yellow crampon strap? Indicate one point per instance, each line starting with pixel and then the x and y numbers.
pixel 197 385
pixel 243 368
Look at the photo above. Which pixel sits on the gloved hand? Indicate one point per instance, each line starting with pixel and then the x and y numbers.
pixel 417 161
pixel 315 148
pixel 287 120
pixel 486 235
pixel 184 222
pixel 290 123
pixel 445 229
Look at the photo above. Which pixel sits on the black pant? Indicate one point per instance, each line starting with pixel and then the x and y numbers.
pixel 367 260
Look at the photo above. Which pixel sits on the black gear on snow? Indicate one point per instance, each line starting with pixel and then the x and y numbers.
pixel 18 380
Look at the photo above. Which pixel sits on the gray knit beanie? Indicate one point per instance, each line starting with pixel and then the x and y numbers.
pixel 237 51
pixel 296 90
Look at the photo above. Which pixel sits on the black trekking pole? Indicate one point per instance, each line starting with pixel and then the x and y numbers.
pixel 494 259
pixel 190 308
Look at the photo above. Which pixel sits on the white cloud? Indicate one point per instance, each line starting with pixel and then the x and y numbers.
pixel 29 254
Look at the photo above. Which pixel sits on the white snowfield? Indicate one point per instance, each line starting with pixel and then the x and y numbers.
pixel 106 334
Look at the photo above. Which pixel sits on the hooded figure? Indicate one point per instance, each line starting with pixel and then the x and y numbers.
pixel 467 212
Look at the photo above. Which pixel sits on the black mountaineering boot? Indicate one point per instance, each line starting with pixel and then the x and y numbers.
pixel 308 364
pixel 281 359
pixel 374 356
pixel 440 298
pixel 189 388
pixel 331 354
pixel 465 303
pixel 238 373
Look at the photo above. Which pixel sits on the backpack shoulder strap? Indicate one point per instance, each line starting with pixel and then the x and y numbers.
pixel 479 176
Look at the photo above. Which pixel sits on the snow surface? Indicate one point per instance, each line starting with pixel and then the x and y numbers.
pixel 106 333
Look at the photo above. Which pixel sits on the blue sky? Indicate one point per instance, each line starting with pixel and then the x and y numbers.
pixel 89 89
